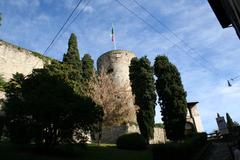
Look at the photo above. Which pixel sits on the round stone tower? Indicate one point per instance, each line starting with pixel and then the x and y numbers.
pixel 116 64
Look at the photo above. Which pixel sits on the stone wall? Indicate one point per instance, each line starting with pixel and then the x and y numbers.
pixel 16 59
pixel 159 136
pixel 110 134
pixel 193 118
pixel 2 94
pixel 116 64
pixel 197 118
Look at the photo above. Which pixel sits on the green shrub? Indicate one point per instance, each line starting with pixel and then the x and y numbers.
pixel 132 141
pixel 19 130
pixel 180 150
pixel 159 125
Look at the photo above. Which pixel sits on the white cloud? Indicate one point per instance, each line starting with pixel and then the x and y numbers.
pixel 88 9
pixel 72 4
pixel 43 17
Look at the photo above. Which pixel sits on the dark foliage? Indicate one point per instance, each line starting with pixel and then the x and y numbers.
pixel 87 67
pixel 230 123
pixel 142 83
pixel 17 121
pixel 67 73
pixel 72 56
pixel 182 150
pixel 2 122
pixel 172 98
pixel 46 109
pixel 159 125
pixel 131 141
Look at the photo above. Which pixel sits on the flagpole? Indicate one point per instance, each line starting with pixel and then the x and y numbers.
pixel 113 38
pixel 115 47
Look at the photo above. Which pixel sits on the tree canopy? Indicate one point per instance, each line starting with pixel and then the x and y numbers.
pixel 46 108
pixel 72 56
pixel 230 123
pixel 87 67
pixel 143 87
pixel 172 98
pixel 113 98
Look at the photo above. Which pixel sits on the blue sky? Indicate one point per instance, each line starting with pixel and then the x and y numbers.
pixel 33 23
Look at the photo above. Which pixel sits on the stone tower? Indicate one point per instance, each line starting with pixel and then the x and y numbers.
pixel 116 64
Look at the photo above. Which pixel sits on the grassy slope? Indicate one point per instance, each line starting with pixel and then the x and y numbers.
pixel 93 152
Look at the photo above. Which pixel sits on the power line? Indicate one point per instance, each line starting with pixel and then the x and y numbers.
pixel 174 34
pixel 55 37
pixel 236 77
pixel 79 2
pixel 75 18
pixel 168 39
pixel 231 80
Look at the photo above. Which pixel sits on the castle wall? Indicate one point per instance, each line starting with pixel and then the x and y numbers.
pixel 110 134
pixel 193 117
pixel 15 59
pixel 197 119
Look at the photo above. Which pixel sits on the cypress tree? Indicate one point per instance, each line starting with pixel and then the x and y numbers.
pixel 72 56
pixel 143 87
pixel 87 67
pixel 172 98
pixel 230 123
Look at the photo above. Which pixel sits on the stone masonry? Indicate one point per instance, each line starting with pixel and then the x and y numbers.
pixel 110 134
pixel 116 64
pixel 16 59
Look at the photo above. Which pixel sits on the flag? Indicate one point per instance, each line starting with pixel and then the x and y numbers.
pixel 113 38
